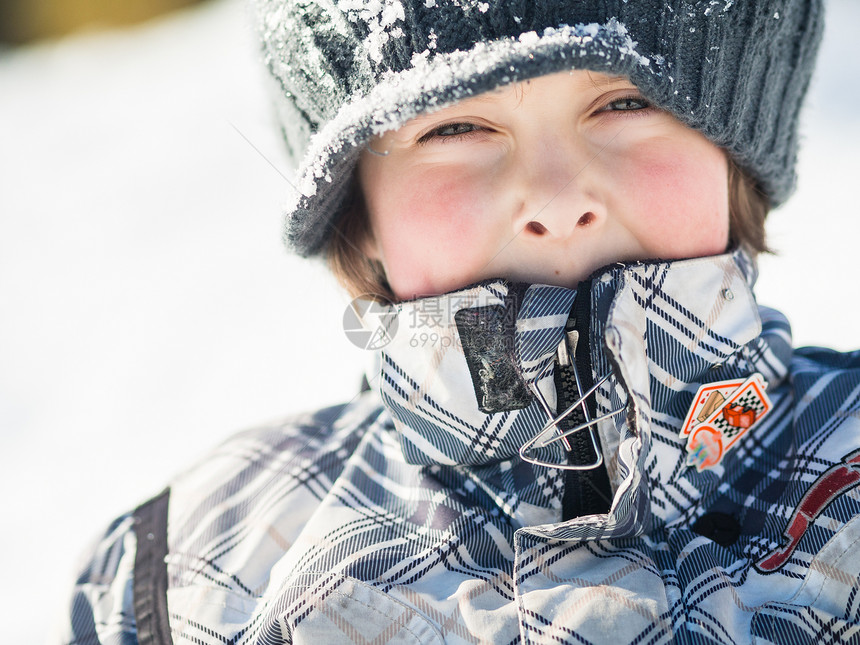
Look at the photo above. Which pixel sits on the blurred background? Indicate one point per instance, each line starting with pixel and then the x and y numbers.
pixel 147 306
pixel 25 21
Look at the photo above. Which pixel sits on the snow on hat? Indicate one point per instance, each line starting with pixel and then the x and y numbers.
pixel 347 70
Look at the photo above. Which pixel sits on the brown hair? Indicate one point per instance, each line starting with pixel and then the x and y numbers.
pixel 346 256
pixel 748 208
pixel 363 276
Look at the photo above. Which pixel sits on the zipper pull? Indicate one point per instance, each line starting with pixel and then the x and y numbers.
pixel 564 355
pixel 567 348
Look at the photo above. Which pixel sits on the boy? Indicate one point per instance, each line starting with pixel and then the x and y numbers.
pixel 583 428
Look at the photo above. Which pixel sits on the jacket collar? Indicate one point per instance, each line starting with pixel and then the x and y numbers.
pixel 661 328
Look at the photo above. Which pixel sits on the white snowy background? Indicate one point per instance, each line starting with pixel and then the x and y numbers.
pixel 148 308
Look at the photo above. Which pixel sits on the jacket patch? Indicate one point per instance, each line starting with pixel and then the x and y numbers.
pixel 833 482
pixel 721 414
pixel 488 344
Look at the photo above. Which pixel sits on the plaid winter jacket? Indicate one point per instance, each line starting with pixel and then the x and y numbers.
pixel 444 504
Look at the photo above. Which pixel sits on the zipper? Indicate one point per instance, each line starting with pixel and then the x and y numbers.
pixel 586 492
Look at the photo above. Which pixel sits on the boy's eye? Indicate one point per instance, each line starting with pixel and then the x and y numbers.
pixel 626 104
pixel 451 130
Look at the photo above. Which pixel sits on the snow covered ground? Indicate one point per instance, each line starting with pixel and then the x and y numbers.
pixel 148 309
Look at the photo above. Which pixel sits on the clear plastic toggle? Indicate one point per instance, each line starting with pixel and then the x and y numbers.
pixel 551 432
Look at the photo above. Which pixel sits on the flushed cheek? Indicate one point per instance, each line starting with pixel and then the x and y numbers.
pixel 433 229
pixel 683 203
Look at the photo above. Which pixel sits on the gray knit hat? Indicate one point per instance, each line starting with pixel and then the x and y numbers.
pixel 346 70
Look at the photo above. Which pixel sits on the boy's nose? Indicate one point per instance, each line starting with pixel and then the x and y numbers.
pixel 558 196
pixel 557 227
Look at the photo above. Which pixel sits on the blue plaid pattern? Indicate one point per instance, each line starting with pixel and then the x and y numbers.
pixel 406 516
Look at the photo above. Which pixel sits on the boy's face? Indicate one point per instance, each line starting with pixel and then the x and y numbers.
pixel 541 182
